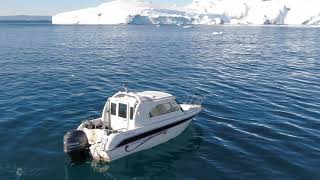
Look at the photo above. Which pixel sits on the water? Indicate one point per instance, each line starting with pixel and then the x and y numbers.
pixel 261 115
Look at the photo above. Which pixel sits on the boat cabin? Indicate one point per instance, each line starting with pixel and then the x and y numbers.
pixel 128 110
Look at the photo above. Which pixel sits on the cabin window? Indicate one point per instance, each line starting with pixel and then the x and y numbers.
pixel 113 108
pixel 174 106
pixel 165 108
pixel 131 113
pixel 122 110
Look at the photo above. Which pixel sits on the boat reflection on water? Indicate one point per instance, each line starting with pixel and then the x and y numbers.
pixel 150 161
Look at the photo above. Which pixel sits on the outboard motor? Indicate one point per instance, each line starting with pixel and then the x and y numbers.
pixel 75 144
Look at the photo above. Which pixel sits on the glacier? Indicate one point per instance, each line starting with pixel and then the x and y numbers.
pixel 207 12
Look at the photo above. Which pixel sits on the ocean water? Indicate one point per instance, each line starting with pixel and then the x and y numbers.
pixel 261 117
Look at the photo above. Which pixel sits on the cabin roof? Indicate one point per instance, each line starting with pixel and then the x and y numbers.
pixel 144 96
pixel 153 95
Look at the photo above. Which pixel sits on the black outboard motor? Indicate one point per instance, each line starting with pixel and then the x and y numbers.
pixel 75 144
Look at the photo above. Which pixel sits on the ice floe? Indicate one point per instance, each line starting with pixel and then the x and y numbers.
pixel 208 12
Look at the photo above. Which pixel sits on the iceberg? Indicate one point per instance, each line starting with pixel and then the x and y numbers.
pixel 114 12
pixel 208 12
pixel 124 12
pixel 259 11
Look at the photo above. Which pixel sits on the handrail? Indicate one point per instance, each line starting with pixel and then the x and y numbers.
pixel 194 100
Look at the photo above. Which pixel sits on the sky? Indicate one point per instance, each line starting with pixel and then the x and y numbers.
pixel 51 7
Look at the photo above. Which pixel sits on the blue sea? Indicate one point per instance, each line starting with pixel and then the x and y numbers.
pixel 261 116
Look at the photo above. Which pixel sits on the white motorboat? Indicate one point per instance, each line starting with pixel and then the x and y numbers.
pixel 131 122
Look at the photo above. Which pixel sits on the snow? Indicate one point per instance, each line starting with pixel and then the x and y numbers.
pixel 303 12
pixel 114 12
pixel 209 12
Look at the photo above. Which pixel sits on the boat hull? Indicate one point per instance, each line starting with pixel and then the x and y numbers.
pixel 160 136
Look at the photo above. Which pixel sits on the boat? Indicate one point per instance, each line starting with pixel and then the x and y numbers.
pixel 131 122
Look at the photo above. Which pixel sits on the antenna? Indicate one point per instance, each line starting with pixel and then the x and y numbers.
pixel 125 88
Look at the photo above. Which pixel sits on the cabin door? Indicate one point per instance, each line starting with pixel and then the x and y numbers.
pixel 119 115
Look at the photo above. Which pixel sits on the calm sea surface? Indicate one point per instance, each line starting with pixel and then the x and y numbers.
pixel 261 117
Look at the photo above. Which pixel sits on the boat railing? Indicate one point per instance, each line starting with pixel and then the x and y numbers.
pixel 194 100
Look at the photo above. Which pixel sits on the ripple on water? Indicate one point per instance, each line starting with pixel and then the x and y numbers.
pixel 260 117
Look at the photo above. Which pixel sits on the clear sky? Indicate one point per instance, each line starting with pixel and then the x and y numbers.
pixel 51 7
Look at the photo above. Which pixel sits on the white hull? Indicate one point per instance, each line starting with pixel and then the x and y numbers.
pixel 142 144
pixel 131 122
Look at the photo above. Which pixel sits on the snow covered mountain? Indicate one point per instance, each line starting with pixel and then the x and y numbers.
pixel 198 12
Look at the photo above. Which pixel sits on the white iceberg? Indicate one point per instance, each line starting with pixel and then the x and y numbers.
pixel 198 12
pixel 114 12
pixel 259 11
pixel 124 12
